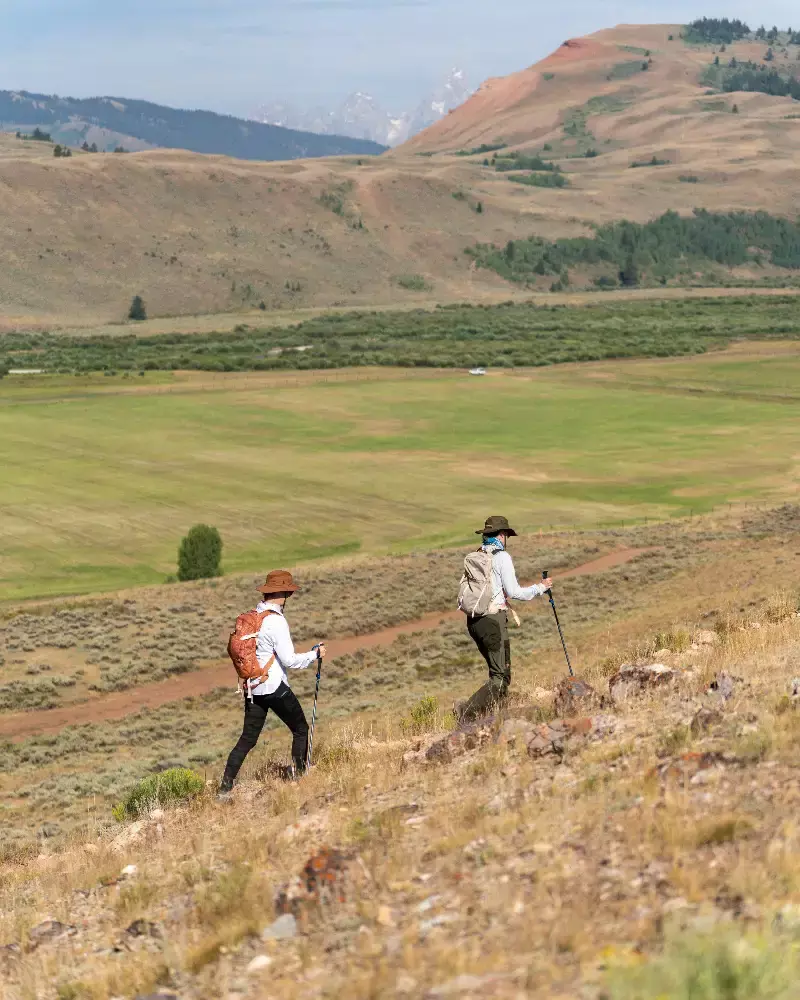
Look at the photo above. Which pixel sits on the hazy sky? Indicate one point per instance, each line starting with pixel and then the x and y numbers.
pixel 232 55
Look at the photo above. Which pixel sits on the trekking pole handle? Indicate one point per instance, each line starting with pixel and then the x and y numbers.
pixel 545 576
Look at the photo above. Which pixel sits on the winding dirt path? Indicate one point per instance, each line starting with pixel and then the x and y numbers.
pixel 119 704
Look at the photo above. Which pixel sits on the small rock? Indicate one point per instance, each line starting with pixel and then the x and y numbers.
pixel 467 737
pixel 633 680
pixel 143 928
pixel 462 986
pixel 574 696
pixel 688 765
pixel 703 720
pixel 705 637
pixel 676 904
pixel 281 929
pixel 438 921
pixel 788 917
pixel 48 930
pixel 794 688
pixel 515 732
pixel 722 687
pixel 129 871
pixel 323 880
pixel 428 904
pixel 258 964
pixel 130 835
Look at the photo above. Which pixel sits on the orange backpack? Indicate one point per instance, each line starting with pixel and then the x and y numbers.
pixel 242 648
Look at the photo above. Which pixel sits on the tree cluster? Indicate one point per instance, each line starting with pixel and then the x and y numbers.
pixel 752 77
pixel 716 30
pixel 662 247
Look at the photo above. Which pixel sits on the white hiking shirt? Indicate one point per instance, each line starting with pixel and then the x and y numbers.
pixel 505 585
pixel 274 639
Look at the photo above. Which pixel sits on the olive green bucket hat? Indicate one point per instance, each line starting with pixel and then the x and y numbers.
pixel 494 525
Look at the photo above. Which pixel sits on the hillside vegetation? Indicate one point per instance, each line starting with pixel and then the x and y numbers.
pixel 631 254
pixel 544 154
pixel 509 335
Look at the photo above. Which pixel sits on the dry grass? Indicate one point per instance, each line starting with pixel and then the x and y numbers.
pixel 507 854
pixel 486 866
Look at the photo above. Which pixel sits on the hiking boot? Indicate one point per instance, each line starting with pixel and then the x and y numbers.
pixel 225 793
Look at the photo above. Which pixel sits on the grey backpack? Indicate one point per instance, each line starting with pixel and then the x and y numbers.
pixel 475 592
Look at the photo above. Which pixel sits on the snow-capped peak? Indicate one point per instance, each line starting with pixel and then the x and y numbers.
pixel 361 117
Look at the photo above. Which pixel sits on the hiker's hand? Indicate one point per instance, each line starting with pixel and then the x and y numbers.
pixel 548 583
pixel 322 650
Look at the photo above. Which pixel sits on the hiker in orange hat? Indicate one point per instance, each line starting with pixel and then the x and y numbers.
pixel 276 654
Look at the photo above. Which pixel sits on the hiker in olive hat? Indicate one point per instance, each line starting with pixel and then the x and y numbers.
pixel 486 588
pixel 276 655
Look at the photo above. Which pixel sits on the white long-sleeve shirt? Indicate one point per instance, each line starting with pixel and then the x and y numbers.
pixel 274 639
pixel 505 585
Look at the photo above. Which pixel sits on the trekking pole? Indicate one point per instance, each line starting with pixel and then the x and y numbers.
pixel 314 713
pixel 549 593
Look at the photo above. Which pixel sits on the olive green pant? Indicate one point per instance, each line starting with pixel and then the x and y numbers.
pixel 490 635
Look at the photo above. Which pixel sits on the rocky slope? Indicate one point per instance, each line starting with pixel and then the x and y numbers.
pixel 594 841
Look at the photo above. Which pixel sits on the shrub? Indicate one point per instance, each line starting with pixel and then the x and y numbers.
pixel 137 310
pixel 178 784
pixel 677 640
pixel 200 553
pixel 413 282
pixel 422 716
pixel 653 162
pixel 719 966
pixel 541 180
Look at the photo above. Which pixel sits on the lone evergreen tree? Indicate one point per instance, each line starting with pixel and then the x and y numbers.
pixel 200 553
pixel 137 310
pixel 629 275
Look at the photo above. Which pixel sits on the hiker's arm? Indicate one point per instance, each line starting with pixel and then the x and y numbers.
pixel 511 586
pixel 284 648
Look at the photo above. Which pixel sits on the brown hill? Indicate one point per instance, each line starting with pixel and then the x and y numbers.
pixel 197 234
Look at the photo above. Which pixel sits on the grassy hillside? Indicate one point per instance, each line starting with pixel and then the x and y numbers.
pixel 74 121
pixel 195 234
pixel 372 462
pixel 655 853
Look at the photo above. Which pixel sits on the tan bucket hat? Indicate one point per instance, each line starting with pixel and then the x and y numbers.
pixel 279 581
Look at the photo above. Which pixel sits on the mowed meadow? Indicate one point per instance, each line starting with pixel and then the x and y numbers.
pixel 103 475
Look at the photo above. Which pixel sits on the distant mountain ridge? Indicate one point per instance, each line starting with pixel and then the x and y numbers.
pixel 134 124
pixel 362 117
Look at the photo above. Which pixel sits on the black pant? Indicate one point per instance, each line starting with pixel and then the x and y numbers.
pixel 490 635
pixel 285 705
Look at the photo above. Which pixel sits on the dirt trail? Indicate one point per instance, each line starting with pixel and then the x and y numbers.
pixel 119 704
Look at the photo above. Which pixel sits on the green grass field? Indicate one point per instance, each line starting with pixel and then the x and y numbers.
pixel 102 477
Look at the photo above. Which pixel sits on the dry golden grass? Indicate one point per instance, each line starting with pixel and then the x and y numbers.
pixel 541 875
